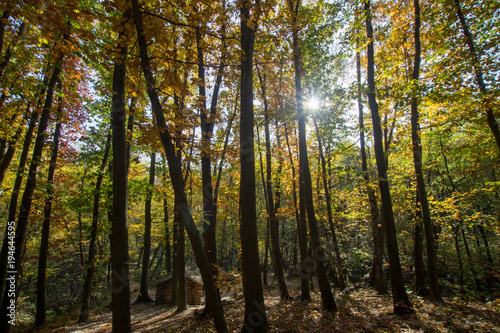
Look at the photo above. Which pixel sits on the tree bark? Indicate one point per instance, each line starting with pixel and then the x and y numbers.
pixel 120 279
pixel 401 302
pixel 177 179
pixel 459 258
pixel 478 72
pixel 168 247
pixel 268 219
pixel 255 319
pixel 420 286
pixel 143 291
pixel 41 310
pixel 181 266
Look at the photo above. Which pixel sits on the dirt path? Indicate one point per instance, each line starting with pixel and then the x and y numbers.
pixel 145 318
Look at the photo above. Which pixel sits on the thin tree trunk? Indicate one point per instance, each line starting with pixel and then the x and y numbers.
pixel 305 186
pixel 207 126
pixel 177 180
pixel 417 162
pixel 328 199
pixel 181 268
pixel 268 219
pixel 459 258
pixel 87 284
pixel 273 220
pixel 130 128
pixel 168 247
pixel 175 258
pixel 376 273
pixel 301 236
pixel 143 291
pixel 420 287
pixel 41 310
pixel 80 226
pixel 120 279
pixel 401 302
pixel 478 71
pixel 27 199
pixel 471 262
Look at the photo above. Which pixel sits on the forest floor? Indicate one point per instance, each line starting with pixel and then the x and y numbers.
pixel 361 310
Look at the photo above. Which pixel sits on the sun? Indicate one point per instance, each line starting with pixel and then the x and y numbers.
pixel 313 103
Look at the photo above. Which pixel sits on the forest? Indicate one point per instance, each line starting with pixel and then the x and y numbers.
pixel 313 166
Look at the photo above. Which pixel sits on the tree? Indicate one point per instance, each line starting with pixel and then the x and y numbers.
pixel 478 72
pixel 146 252
pixel 417 161
pixel 273 220
pixel 90 264
pixel 255 319
pixel 376 274
pixel 120 279
pixel 41 312
pixel 401 302
pixel 176 177
pixel 328 199
pixel 27 199
pixel 305 186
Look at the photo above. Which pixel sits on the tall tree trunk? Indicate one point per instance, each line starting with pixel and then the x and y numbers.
pixel 130 128
pixel 41 310
pixel 255 313
pixel 478 72
pixel 417 162
pixel 177 180
pixel 376 273
pixel 87 284
pixel 175 258
pixel 401 302
pixel 14 267
pixel 273 220
pixel 459 258
pixel 479 289
pixel 301 235
pixel 305 185
pixel 420 286
pixel 180 249
pixel 168 247
pixel 120 279
pixel 207 121
pixel 143 291
pixel 328 199
pixel 268 219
